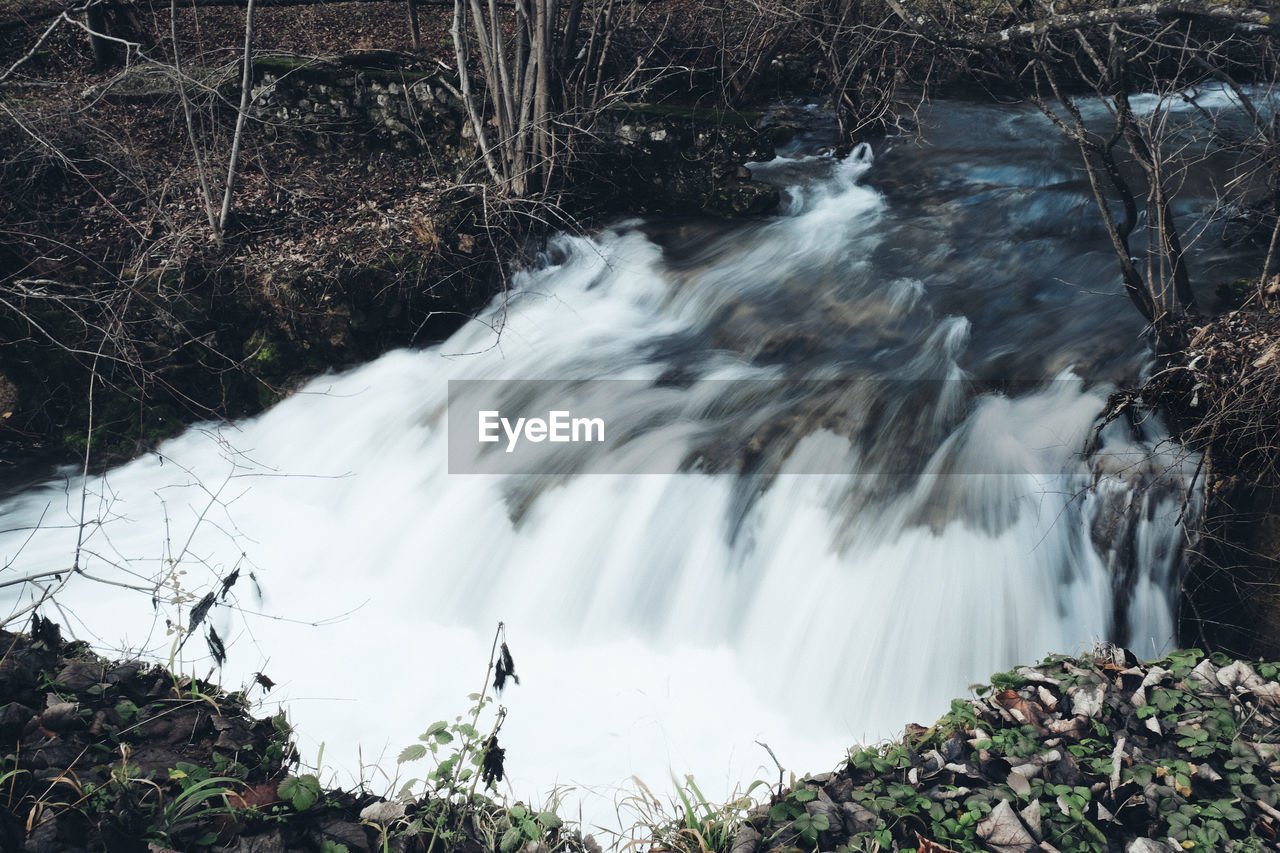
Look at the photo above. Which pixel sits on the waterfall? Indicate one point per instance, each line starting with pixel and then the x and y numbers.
pixel 927 361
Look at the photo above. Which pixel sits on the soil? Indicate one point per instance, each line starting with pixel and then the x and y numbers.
pixel 335 253
pixel 128 757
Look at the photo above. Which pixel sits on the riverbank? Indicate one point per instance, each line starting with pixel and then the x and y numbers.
pixel 1095 753
pixel 128 757
pixel 363 220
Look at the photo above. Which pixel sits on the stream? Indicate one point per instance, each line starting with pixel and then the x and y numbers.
pixel 848 470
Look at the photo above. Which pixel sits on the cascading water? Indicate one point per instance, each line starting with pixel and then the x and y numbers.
pixel 925 344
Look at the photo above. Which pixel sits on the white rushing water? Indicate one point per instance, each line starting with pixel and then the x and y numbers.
pixel 663 622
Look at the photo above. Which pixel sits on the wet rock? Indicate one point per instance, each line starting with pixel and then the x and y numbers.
pixel 269 842
pixel 739 198
pixel 44 839
pixel 745 840
pixel 155 759
pixel 826 808
pixel 80 675
pixel 782 836
pixel 55 754
pixel 124 672
pixel 382 812
pixel 233 733
pixel 953 748
pixel 1150 845
pixel 14 716
pixel 858 818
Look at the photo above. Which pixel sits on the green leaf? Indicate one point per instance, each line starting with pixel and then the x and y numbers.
pixel 301 792
pixel 433 730
pixel 810 825
pixel 779 812
pixel 550 820
pixel 411 753
pixel 804 795
pixel 511 839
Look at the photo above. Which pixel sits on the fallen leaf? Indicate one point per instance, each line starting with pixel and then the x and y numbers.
pixel 1003 832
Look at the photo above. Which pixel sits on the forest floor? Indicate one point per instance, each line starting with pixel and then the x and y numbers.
pixel 334 252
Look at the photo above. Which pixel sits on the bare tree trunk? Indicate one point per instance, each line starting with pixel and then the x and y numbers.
pixel 571 25
pixel 191 126
pixel 246 85
pixel 415 32
pixel 1269 263
pixel 1134 286
pixel 103 53
pixel 541 104
pixel 608 27
pixel 1166 228
pixel 464 84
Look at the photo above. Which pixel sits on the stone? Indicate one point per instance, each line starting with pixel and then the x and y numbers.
pixel 382 812
pixel 233 733
pixel 745 840
pixel 346 833
pixel 742 198
pixel 269 842
pixel 124 672
pixel 1149 845
pixel 80 675
pixel 15 715
pixel 858 819
pixel 825 807
pixel 154 758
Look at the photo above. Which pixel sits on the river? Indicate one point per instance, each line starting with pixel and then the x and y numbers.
pixel 848 472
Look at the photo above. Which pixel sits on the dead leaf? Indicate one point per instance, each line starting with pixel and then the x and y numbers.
pixel 1003 832
pixel 1024 710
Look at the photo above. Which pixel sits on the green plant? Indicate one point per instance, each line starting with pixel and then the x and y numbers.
pixel 694 823
pixel 200 799
pixel 463 758
pixel 792 808
pixel 301 792
pixel 710 825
